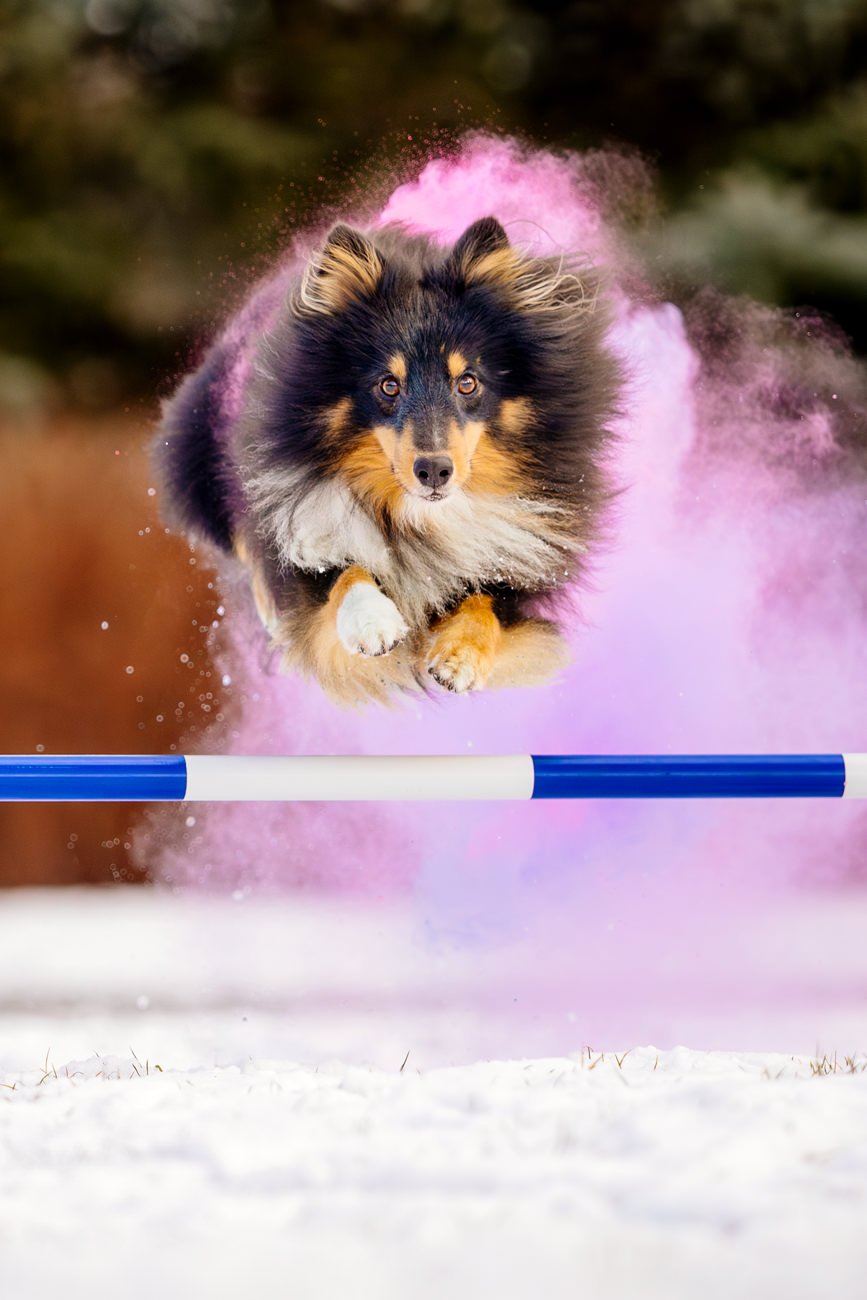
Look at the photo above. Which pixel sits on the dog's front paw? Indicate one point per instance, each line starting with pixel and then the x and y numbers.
pixel 458 665
pixel 368 623
pixel 463 650
pixel 460 670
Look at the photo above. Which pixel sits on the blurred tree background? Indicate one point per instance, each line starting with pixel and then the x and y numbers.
pixel 156 154
pixel 153 151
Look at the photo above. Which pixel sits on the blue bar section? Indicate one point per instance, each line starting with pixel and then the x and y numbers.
pixel 92 777
pixel 692 776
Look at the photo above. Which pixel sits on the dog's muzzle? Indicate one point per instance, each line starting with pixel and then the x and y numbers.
pixel 433 473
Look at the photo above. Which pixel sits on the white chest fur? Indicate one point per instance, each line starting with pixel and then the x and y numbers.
pixel 438 549
pixel 328 529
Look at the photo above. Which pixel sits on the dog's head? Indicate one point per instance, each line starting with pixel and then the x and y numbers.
pixel 434 372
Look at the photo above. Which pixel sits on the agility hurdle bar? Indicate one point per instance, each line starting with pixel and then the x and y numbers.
pixel 227 778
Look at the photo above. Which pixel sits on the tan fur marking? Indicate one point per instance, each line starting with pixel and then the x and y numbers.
pixel 335 418
pixel 530 654
pixel 480 465
pixel 350 680
pixel 461 445
pixel 515 415
pixel 403 457
pixel 531 285
pixel 341 277
pixel 397 365
pixel 474 430
pixel 387 439
pixel 262 598
pixel 471 650
pixel 265 607
pixel 464 647
pixel 368 471
pixel 344 585
pixel 353 274
pixel 494 471
pixel 501 265
pixel 457 364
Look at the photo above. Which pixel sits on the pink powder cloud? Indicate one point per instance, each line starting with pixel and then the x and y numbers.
pixel 727 614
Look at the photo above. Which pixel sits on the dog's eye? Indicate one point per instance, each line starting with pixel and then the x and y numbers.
pixel 467 385
pixel 389 386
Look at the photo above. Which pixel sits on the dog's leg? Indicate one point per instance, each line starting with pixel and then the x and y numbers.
pixel 471 649
pixel 531 653
pixel 347 642
pixel 352 643
pixel 464 647
pixel 263 598
pixel 350 639
pixel 366 620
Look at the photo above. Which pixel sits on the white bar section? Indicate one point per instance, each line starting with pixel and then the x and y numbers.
pixel 855 786
pixel 225 778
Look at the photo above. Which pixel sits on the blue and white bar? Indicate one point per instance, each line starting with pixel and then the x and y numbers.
pixel 228 778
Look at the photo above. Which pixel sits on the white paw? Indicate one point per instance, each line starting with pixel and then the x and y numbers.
pixel 368 623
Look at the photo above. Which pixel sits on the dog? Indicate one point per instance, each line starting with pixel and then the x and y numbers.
pixel 405 446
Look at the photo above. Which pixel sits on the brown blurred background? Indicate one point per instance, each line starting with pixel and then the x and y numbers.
pixel 104 620
pixel 155 154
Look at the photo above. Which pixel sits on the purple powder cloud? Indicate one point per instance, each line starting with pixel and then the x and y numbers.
pixel 727 612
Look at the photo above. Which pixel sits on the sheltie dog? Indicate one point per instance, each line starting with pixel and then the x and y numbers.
pixel 405 446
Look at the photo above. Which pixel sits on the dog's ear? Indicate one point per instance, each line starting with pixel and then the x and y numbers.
pixel 481 246
pixel 484 256
pixel 347 269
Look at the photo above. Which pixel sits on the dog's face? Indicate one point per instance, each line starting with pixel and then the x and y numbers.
pixel 438 416
pixel 428 366
pixel 429 408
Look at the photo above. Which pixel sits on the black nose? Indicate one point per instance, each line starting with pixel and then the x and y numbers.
pixel 433 471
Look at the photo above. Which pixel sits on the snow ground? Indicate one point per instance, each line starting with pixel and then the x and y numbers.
pixel 203 1097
